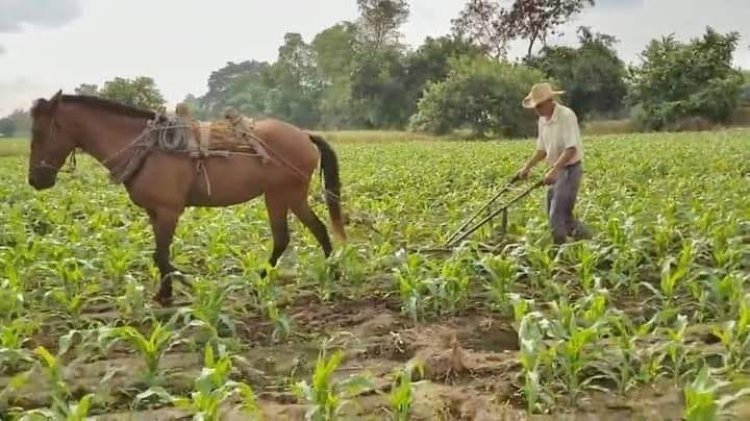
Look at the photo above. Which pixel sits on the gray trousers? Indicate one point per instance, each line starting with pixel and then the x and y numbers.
pixel 560 201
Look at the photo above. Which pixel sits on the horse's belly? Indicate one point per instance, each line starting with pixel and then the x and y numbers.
pixel 226 185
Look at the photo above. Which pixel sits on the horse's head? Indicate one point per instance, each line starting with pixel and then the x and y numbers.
pixel 50 145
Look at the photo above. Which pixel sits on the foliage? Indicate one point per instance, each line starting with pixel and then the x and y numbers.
pixel 140 92
pixel 592 75
pixel 488 24
pixel 480 94
pixel 683 80
pixel 380 21
pixel 7 127
pixel 16 123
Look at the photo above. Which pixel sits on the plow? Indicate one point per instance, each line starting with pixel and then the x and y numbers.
pixel 491 209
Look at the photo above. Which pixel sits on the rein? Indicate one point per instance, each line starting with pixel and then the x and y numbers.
pixel 72 162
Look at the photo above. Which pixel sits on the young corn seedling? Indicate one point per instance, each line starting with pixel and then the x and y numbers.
pixel 409 278
pixel 13 335
pixel 702 402
pixel 574 345
pixel 449 293
pixel 151 347
pixel 401 396
pixel 532 356
pixel 735 337
pixel 627 335
pixel 502 273
pixel 213 387
pixel 675 349
pixel 208 310
pixel 61 408
pixel 132 305
pixel 325 396
pixel 673 273
pixel 266 294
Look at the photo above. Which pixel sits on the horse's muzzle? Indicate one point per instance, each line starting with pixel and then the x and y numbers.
pixel 42 178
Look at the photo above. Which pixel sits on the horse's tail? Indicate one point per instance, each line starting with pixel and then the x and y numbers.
pixel 329 167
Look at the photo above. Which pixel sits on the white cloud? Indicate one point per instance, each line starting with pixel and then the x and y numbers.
pixel 15 14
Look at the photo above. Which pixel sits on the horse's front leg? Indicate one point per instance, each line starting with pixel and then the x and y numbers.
pixel 164 223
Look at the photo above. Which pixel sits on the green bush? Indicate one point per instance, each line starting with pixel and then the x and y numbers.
pixel 678 81
pixel 480 94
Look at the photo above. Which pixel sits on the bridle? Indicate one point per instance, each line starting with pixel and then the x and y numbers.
pixel 71 157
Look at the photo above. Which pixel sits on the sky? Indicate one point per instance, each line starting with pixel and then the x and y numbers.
pixel 46 45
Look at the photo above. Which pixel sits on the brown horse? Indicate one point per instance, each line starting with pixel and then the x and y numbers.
pixel 168 182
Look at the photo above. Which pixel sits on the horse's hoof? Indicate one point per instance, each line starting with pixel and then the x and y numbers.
pixel 163 300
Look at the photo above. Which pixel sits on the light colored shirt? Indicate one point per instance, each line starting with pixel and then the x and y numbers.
pixel 558 133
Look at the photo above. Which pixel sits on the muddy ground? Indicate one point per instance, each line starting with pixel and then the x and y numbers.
pixel 471 368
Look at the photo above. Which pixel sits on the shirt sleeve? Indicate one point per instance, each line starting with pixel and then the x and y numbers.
pixel 572 133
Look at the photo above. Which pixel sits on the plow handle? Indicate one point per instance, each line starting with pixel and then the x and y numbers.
pixel 466 223
pixel 451 242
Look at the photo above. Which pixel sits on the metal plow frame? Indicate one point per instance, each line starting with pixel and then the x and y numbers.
pixel 464 230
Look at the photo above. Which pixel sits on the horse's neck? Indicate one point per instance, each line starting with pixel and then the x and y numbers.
pixel 106 137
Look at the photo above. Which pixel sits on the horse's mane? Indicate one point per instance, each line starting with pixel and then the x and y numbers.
pixel 98 102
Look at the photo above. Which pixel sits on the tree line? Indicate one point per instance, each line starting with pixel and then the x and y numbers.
pixel 359 75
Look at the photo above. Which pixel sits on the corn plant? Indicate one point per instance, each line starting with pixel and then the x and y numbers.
pixel 132 304
pixel 151 347
pixel 574 344
pixel 213 387
pixel 325 396
pixel 502 273
pixel 702 400
pixel 61 408
pixel 626 360
pixel 534 356
pixel 14 334
pixel 208 311
pixel 673 273
pixel 409 279
pixel 675 348
pixel 735 337
pixel 401 398
pixel 265 296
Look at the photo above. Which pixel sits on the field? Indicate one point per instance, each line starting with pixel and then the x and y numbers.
pixel 650 320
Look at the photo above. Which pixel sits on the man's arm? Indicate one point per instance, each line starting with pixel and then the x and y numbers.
pixel 539 155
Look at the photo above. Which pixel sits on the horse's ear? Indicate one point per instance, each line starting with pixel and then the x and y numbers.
pixel 55 101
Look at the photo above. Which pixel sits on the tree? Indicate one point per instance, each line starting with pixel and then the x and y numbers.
pixel 481 94
pixel 431 63
pixel 139 92
pixel 15 123
pixel 492 26
pixel 380 21
pixel 7 127
pixel 296 84
pixel 592 75
pixel 335 50
pixel 222 86
pixel 677 80
pixel 87 89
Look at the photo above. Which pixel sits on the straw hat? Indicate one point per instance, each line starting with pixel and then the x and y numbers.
pixel 538 94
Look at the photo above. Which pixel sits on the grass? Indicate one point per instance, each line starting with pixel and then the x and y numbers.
pixel 649 319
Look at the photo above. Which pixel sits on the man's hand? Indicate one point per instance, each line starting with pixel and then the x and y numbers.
pixel 551 176
pixel 522 174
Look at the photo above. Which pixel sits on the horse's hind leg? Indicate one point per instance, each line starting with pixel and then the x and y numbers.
pixel 164 223
pixel 277 209
pixel 307 216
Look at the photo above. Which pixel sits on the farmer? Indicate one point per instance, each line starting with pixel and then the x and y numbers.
pixel 559 141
